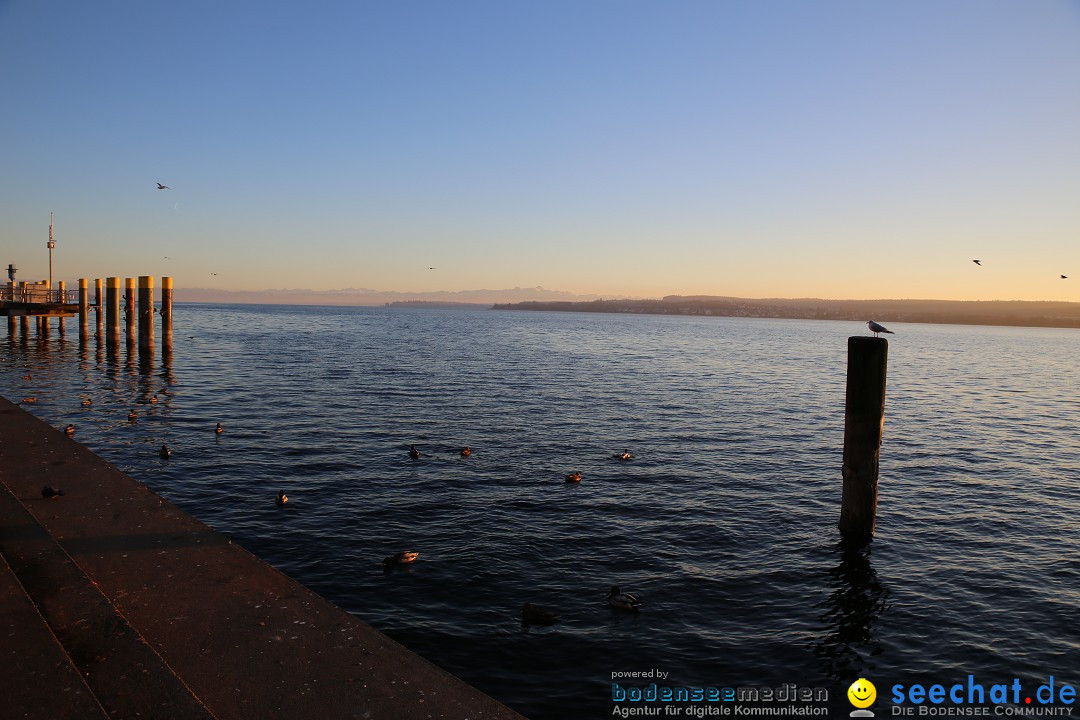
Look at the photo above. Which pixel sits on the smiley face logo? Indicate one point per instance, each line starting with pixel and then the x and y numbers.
pixel 862 693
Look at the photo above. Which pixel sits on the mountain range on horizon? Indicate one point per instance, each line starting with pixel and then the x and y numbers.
pixel 979 312
pixel 1029 313
pixel 366 296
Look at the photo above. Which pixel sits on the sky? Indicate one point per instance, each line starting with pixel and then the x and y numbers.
pixel 623 148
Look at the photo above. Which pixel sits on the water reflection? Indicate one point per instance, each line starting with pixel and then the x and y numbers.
pixel 855 603
pixel 167 373
pixel 112 350
pixel 146 362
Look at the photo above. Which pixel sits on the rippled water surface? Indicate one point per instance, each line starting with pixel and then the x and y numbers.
pixel 724 521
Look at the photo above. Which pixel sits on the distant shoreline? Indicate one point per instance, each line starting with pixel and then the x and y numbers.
pixel 1005 313
pixel 1011 313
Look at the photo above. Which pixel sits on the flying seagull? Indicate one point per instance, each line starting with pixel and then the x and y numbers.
pixel 1064 277
pixel 875 328
pixel 163 187
pixel 977 262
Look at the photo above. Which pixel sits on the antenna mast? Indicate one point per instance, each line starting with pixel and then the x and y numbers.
pixel 51 246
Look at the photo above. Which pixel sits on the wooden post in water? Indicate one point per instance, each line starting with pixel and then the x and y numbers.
pixel 24 321
pixel 129 310
pixel 12 320
pixel 146 313
pixel 112 310
pixel 166 314
pixel 84 307
pixel 63 299
pixel 97 304
pixel 864 421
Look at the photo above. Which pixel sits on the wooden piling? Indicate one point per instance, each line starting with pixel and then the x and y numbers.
pixel 864 421
pixel 97 305
pixel 84 308
pixel 146 313
pixel 166 314
pixel 63 299
pixel 129 309
pixel 112 309
pixel 13 323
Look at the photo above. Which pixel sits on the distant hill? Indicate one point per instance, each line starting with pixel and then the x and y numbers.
pixel 364 296
pixel 980 312
pixel 438 304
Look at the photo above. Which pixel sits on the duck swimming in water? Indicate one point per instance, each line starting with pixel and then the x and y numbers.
pixel 219 429
pixel 625 455
pixel 87 402
pixel 574 477
pixel 402 558
pixel 623 601
pixel 165 452
pixel 532 615
pixel 153 399
pixel 282 498
pixel 413 452
pixel 133 416
pixel 70 431
pixel 466 451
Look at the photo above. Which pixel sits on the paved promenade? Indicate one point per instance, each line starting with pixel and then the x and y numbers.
pixel 116 604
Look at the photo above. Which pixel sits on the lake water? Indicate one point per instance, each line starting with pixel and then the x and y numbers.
pixel 724 522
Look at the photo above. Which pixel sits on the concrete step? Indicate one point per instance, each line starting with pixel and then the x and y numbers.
pixel 39 679
pixel 126 677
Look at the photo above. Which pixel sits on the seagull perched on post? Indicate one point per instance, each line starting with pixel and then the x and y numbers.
pixel 163 187
pixel 977 262
pixel 875 328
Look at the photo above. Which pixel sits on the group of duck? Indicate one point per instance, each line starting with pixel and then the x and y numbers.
pixel 530 614
pixel 165 452
pixel 573 477
pixel 415 454
pixel 617 599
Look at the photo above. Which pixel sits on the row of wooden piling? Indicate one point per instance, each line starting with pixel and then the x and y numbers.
pixel 138 306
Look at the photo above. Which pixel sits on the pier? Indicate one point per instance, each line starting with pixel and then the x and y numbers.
pixel 116 604
pixel 20 302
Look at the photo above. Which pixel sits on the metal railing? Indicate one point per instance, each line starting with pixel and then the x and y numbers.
pixel 38 294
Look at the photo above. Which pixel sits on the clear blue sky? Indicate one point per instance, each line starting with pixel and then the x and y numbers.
pixel 760 148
